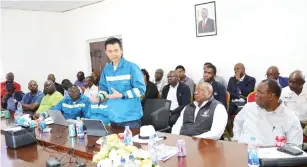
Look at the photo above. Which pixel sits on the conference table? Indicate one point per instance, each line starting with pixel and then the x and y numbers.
pixel 200 152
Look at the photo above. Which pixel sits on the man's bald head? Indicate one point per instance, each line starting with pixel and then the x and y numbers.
pixel 272 73
pixel 173 78
pixel 51 77
pixel 298 74
pixel 297 81
pixel 49 87
pixel 10 77
pixel 239 69
pixel 203 92
pixel 33 87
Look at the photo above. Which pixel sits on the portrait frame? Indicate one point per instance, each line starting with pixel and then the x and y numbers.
pixel 209 26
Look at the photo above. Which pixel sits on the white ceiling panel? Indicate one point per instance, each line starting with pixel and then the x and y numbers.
pixel 47 6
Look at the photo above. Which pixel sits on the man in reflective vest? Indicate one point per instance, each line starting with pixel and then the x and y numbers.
pixel 122 84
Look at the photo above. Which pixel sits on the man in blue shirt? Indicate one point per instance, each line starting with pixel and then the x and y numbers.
pixel 122 84
pixel 30 101
pixel 75 105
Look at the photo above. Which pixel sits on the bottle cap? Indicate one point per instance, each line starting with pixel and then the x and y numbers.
pixel 122 160
pixel 131 157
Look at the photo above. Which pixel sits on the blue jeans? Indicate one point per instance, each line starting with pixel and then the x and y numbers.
pixel 132 124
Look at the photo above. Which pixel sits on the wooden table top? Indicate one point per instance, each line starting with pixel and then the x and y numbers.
pixel 34 155
pixel 200 152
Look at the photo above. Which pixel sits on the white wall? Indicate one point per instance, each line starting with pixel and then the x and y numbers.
pixel 159 34
pixel 33 45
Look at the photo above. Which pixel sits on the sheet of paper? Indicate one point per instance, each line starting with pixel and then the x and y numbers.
pixel 265 153
pixel 49 121
pixel 13 129
pixel 165 152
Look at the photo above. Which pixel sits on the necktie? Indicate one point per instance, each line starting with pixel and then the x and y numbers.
pixel 203 25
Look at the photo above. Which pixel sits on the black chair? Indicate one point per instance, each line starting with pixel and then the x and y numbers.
pixel 156 113
pixel 160 119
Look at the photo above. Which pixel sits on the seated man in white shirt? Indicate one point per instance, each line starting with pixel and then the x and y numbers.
pixel 267 118
pixel 204 118
pixel 91 90
pixel 295 95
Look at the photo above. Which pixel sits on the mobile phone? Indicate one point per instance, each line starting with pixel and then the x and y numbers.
pixel 91 146
pixel 290 150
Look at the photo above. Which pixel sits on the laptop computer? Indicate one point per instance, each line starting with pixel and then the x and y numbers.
pixel 95 128
pixel 57 117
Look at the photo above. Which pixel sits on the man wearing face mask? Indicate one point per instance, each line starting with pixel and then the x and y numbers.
pixel 204 118
pixel 267 118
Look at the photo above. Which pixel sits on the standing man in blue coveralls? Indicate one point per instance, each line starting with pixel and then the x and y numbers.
pixel 123 85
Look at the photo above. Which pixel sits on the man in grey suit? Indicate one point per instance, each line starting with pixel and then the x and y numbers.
pixel 207 24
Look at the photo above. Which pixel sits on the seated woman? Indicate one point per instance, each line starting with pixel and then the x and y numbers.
pixel 99 110
pixel 75 105
pixel 151 89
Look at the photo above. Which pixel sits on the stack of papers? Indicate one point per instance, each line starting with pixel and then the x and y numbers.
pixel 165 152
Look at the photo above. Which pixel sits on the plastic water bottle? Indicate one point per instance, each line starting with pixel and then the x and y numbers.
pixel 131 162
pixel 152 149
pixel 42 124
pixel 79 128
pixel 123 162
pixel 19 107
pixel 128 136
pixel 18 112
pixel 253 159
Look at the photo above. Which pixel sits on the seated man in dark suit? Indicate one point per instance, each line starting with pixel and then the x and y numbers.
pixel 206 24
pixel 239 86
pixel 178 93
pixel 219 91
pixel 273 73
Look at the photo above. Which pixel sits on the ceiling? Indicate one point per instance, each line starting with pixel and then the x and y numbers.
pixel 46 5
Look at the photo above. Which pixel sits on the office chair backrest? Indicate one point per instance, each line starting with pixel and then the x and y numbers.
pixel 152 105
pixel 160 117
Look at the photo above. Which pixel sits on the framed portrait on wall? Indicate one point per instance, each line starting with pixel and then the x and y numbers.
pixel 205 19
